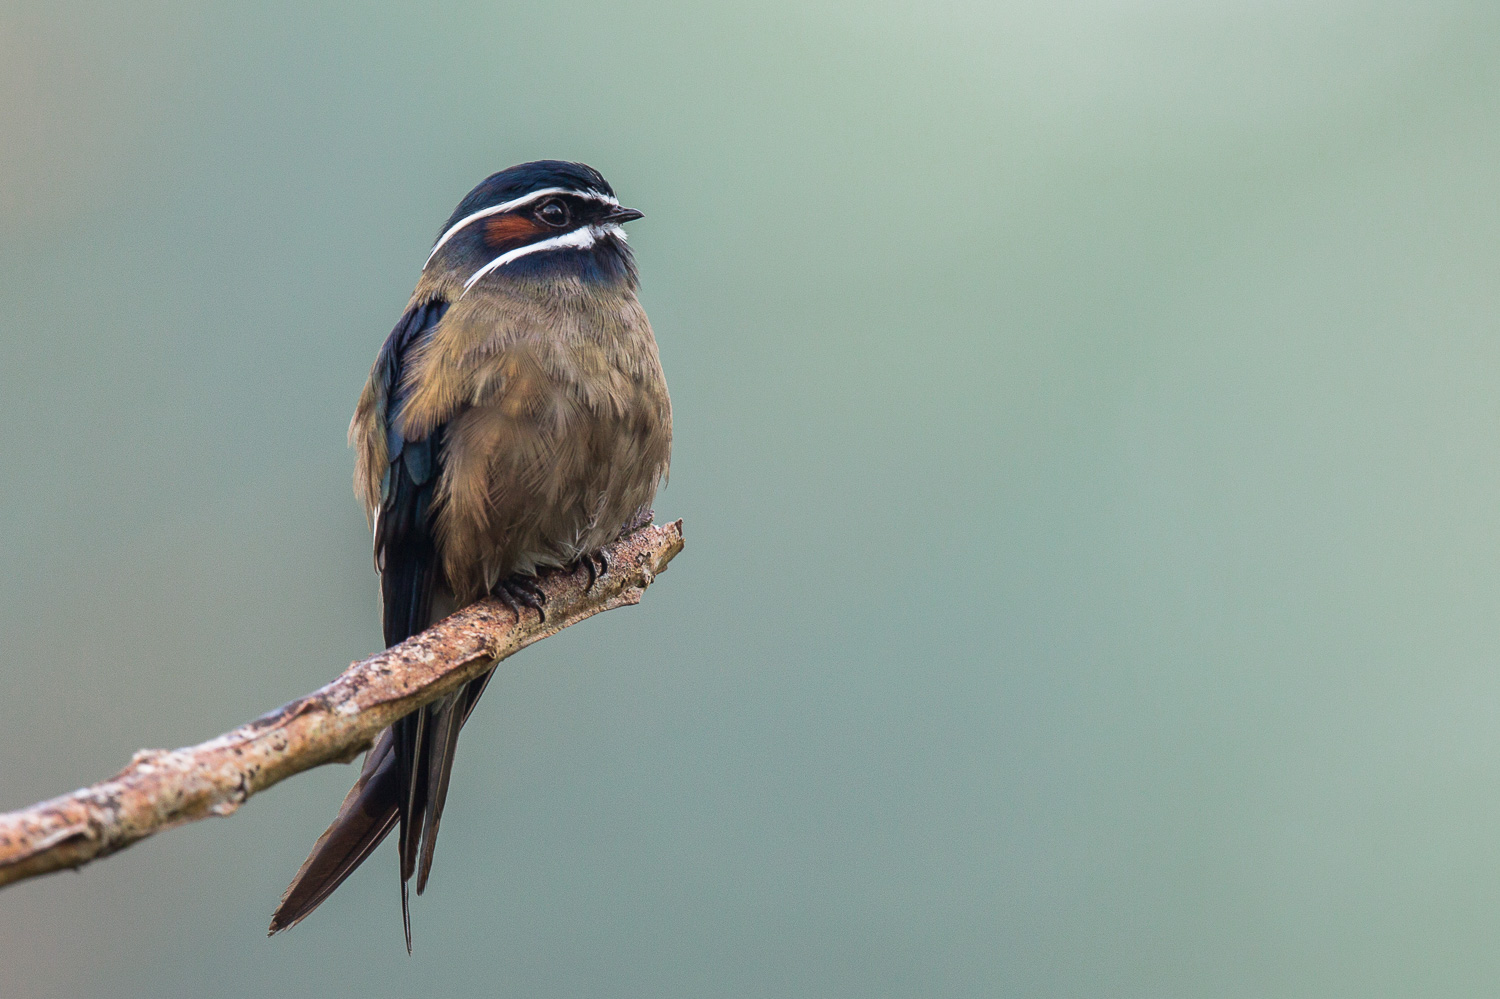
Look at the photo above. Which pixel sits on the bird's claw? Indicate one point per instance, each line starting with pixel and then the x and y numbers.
pixel 596 565
pixel 522 591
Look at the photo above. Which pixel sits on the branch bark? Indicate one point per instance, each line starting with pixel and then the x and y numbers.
pixel 160 789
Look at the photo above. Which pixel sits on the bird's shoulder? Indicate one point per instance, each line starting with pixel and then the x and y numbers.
pixel 375 431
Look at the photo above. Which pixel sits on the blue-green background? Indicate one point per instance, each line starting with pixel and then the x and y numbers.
pixel 1088 440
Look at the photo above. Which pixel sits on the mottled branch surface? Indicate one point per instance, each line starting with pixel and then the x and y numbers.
pixel 161 789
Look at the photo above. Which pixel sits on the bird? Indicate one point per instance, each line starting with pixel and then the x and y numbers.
pixel 515 420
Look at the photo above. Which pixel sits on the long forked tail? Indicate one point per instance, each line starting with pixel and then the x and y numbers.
pixel 383 798
pixel 368 814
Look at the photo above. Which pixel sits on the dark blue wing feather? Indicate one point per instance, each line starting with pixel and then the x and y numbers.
pixel 404 547
pixel 392 789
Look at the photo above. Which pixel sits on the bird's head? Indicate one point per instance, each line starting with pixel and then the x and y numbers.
pixel 540 220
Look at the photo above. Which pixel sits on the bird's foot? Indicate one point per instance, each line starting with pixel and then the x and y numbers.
pixel 596 564
pixel 516 592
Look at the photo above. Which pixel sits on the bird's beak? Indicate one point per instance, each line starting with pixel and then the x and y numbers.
pixel 624 215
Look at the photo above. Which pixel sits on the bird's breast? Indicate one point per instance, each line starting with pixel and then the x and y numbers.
pixel 556 426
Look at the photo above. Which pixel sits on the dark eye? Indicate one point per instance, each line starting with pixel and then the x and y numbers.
pixel 553 212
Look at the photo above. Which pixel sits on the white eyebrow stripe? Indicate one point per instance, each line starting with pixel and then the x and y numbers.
pixel 579 239
pixel 506 206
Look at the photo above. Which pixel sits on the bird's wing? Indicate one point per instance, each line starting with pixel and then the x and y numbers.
pixel 405 777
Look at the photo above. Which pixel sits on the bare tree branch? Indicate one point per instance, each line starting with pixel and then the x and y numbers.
pixel 161 789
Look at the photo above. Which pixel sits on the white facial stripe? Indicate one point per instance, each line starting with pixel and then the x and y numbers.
pixel 515 203
pixel 578 239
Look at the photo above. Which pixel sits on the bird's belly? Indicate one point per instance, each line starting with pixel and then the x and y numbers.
pixel 526 489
